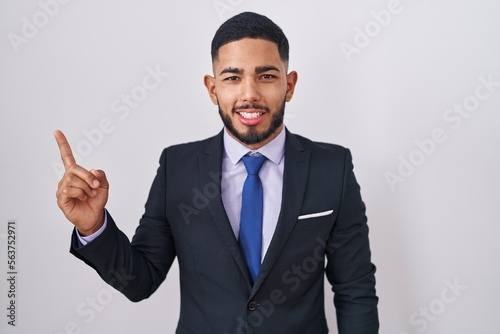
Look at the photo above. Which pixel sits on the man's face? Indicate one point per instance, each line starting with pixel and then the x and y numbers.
pixel 250 86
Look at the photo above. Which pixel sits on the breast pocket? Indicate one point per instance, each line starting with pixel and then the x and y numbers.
pixel 315 219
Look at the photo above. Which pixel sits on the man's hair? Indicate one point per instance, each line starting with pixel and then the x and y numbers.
pixel 250 25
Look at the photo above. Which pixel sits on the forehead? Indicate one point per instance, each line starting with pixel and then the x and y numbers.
pixel 248 52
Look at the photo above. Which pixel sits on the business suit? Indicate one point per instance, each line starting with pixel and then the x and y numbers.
pixel 185 217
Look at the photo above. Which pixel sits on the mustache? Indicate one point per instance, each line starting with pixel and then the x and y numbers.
pixel 253 106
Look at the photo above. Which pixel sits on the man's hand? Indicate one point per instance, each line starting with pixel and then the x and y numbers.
pixel 81 194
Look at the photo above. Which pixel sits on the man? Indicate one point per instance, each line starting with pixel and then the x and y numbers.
pixel 251 214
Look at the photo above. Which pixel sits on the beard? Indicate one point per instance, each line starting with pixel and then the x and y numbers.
pixel 252 136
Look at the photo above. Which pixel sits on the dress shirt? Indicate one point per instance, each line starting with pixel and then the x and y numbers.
pixel 85 240
pixel 234 174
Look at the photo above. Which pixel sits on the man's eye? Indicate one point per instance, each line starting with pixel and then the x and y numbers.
pixel 233 78
pixel 268 76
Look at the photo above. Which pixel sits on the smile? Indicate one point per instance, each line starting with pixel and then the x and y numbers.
pixel 250 115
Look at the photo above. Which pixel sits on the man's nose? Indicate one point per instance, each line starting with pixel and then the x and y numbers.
pixel 249 91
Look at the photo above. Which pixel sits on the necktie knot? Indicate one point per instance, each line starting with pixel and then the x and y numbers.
pixel 253 163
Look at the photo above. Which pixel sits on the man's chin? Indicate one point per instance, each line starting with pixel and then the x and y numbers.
pixel 252 136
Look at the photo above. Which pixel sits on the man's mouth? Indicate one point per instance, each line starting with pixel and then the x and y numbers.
pixel 250 115
pixel 251 118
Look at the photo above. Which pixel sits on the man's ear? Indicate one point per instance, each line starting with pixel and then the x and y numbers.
pixel 210 84
pixel 291 81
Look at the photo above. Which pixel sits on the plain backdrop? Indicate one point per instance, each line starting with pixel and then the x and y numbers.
pixel 411 87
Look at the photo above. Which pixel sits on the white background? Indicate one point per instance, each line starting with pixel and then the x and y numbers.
pixel 438 223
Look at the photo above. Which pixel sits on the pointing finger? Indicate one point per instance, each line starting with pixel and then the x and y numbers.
pixel 65 150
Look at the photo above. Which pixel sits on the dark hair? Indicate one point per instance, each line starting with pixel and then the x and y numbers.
pixel 250 25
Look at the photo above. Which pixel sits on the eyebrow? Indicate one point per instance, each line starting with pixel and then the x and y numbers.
pixel 258 69
pixel 234 70
pixel 262 69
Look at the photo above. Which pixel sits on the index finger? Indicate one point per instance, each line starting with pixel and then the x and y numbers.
pixel 66 153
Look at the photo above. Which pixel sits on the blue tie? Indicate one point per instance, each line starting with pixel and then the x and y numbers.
pixel 250 237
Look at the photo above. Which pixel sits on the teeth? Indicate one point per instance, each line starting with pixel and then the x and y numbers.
pixel 250 115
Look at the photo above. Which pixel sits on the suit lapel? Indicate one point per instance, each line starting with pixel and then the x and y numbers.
pixel 210 170
pixel 294 184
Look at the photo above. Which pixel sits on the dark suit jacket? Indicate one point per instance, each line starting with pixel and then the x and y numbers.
pixel 184 217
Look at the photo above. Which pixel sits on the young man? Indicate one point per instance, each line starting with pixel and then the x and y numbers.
pixel 251 214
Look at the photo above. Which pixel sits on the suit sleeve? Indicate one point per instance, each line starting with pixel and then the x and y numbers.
pixel 135 268
pixel 349 268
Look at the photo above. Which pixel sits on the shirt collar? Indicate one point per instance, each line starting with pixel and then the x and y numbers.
pixel 274 150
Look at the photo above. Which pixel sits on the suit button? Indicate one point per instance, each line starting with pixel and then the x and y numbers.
pixel 252 305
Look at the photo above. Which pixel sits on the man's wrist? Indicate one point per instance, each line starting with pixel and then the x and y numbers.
pixel 85 239
pixel 95 228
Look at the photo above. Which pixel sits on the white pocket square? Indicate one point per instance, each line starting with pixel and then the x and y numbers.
pixel 317 214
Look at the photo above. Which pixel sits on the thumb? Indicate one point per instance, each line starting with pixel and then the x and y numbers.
pixel 101 177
